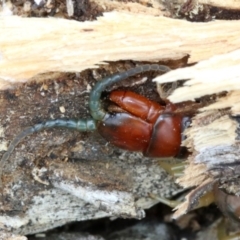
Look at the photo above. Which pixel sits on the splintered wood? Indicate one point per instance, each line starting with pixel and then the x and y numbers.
pixel 213 137
pixel 214 75
pixel 62 45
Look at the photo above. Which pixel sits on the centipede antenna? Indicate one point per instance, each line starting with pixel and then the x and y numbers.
pixel 81 125
pixel 96 110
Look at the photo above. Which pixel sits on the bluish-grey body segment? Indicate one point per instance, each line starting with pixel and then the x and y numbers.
pixel 96 110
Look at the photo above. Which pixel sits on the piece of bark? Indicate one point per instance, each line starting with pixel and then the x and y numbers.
pixel 64 45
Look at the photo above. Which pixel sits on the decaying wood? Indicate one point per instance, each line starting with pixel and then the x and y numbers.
pixel 118 184
pixel 115 36
pixel 214 75
pixel 213 137
pixel 58 176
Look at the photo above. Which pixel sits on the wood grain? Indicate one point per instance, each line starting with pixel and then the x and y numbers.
pixel 29 46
